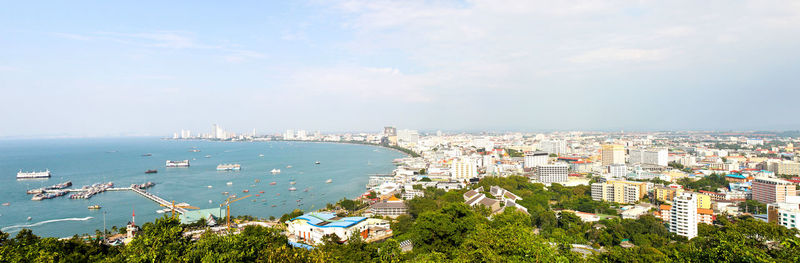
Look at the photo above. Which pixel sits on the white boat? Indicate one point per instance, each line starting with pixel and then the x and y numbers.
pixel 229 183
pixel 260 155
pixel 292 188
pixel 209 187
pixel 29 218
pixel 229 167
pixel 275 171
pixel 207 156
pixel 329 181
pixel 184 163
pixel 288 166
pixel 31 175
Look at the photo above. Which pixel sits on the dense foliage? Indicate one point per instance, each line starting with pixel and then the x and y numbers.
pixel 444 229
pixel 709 183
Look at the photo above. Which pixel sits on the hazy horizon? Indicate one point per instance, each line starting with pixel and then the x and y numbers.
pixel 151 68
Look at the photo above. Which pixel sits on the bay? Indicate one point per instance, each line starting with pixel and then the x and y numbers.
pixel 120 160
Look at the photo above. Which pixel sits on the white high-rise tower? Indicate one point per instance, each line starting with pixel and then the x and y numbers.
pixel 683 215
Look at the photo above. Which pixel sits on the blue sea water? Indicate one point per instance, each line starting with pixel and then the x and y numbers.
pixel 120 160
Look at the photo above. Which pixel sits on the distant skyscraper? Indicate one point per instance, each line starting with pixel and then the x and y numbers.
pixel 407 136
pixel 612 154
pixel 683 215
pixel 288 135
pixel 389 131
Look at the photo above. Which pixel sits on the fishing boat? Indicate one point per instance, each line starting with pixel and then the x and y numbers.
pixel 329 181
pixel 257 181
pixel 225 193
pixel 292 188
pixel 245 191
pixel 207 156
pixel 152 171
pixel 317 162
pixel 273 183
pixel 292 183
pixel 261 192
pixel 6 204
pixel 29 218
pixel 258 195
pixel 288 166
pixel 275 171
pixel 273 205
pixel 209 187
pixel 260 155
pixel 229 183
pixel 147 154
pixel 93 207
pixel 195 150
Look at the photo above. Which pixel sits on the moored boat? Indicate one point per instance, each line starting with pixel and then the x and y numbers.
pixel 33 175
pixel 94 207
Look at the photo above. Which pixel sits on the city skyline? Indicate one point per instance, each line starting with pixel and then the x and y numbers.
pixel 152 68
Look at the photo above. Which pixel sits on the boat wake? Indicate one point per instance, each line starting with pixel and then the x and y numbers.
pixel 19 227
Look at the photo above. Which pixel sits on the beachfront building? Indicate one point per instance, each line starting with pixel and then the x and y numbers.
pixel 311 227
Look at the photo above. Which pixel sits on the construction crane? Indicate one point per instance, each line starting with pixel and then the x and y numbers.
pixel 174 207
pixel 227 205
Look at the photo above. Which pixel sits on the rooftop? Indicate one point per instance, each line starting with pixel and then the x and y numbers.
pixel 324 219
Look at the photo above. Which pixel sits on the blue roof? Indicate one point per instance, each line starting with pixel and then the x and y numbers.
pixel 736 176
pixel 324 219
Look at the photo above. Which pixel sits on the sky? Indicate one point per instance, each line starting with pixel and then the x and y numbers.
pixel 103 68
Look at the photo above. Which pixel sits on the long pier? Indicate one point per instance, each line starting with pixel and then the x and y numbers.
pixel 141 192
pixel 158 200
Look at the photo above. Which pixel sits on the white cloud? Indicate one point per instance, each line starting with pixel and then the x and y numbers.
pixel 620 55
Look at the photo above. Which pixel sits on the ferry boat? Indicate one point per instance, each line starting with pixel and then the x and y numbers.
pixel 329 181
pixel 275 171
pixel 152 171
pixel 184 163
pixel 229 167
pixel 94 207
pixel 32 175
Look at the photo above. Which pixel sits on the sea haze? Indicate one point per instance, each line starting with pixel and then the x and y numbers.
pixel 88 161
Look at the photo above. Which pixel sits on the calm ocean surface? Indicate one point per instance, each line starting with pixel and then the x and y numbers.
pixel 88 161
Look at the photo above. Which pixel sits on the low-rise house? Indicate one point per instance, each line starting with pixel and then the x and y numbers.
pixel 391 207
pixel 310 228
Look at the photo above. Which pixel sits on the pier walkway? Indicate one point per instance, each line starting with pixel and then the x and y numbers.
pixel 157 199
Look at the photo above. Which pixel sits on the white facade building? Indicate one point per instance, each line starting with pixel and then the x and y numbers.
pixel 618 170
pixel 553 146
pixel 535 158
pixel 655 156
pixel 683 216
pixel 552 173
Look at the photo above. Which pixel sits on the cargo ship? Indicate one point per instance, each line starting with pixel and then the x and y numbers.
pixel 229 167
pixel 33 175
pixel 184 163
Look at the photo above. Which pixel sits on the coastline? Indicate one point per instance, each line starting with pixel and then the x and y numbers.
pixel 357 143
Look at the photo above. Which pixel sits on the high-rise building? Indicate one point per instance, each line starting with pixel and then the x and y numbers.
pixel 552 173
pixel 532 159
pixel 618 170
pixel 553 146
pixel 463 169
pixel 683 215
pixel 619 191
pixel 655 156
pixel 389 131
pixel 288 135
pixel 217 132
pixel 612 154
pixel 770 190
pixel 302 134
pixel 406 137
pixel 784 167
